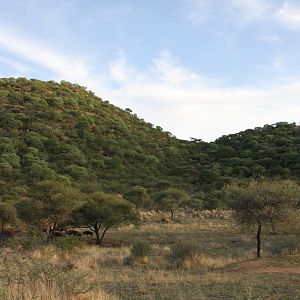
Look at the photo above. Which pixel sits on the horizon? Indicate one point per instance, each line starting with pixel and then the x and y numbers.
pixel 175 64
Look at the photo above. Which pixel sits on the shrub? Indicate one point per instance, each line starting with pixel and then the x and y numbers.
pixel 141 249
pixel 185 250
pixel 32 241
pixel 68 243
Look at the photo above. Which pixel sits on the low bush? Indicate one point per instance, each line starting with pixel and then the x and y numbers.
pixel 68 243
pixel 185 250
pixel 141 249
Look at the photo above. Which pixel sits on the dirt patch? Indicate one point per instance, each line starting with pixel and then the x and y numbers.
pixel 260 266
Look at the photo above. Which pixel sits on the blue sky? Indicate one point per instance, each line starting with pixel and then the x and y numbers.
pixel 198 68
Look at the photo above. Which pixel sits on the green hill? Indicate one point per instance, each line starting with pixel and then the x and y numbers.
pixel 52 130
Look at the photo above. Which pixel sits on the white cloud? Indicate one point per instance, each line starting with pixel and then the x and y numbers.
pixel 231 11
pixel 241 13
pixel 271 39
pixel 250 9
pixel 65 67
pixel 167 94
pixel 289 15
pixel 122 72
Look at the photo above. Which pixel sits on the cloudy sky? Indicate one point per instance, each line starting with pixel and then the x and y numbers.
pixel 197 68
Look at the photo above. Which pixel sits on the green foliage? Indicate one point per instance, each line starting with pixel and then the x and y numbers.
pixel 8 215
pixel 141 249
pixel 138 195
pixel 185 250
pixel 103 211
pixel 68 243
pixel 171 199
pixel 49 130
pixel 263 202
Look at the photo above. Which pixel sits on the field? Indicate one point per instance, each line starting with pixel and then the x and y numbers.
pixel 226 268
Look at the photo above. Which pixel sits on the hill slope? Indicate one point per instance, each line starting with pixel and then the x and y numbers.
pixel 49 130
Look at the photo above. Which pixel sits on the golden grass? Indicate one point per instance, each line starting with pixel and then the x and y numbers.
pixel 100 273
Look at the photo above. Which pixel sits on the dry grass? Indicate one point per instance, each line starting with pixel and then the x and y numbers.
pixel 100 273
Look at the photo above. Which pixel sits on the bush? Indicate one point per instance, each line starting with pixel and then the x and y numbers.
pixel 32 241
pixel 69 243
pixel 141 249
pixel 185 250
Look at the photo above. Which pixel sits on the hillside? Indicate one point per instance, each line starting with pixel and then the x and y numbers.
pixel 52 130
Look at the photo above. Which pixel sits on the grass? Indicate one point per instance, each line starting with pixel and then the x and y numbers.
pixel 100 273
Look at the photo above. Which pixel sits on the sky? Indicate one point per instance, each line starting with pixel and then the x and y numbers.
pixel 197 68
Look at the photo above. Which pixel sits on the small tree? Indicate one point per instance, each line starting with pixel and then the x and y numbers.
pixel 138 196
pixel 171 199
pixel 104 211
pixel 8 215
pixel 262 203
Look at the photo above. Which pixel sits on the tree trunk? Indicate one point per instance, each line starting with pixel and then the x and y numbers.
pixel 172 215
pixel 97 237
pixel 53 228
pixel 258 240
pixel 102 236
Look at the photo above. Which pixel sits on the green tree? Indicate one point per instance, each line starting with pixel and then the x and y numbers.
pixel 103 211
pixel 171 199
pixel 51 203
pixel 138 195
pixel 263 203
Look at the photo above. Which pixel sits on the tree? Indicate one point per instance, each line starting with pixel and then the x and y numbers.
pixel 51 203
pixel 263 203
pixel 103 211
pixel 138 195
pixel 171 199
pixel 8 215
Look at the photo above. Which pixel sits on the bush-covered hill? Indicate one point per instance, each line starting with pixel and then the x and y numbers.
pixel 50 130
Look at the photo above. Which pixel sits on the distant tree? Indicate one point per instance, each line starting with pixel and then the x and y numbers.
pixel 171 199
pixel 138 195
pixel 8 215
pixel 103 211
pixel 262 203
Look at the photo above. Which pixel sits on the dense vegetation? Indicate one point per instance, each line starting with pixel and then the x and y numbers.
pixel 62 132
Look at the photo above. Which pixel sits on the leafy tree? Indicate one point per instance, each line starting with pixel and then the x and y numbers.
pixel 171 199
pixel 8 215
pixel 103 211
pixel 138 195
pixel 263 203
pixel 51 203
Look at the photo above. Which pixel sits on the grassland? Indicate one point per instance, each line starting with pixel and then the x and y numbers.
pixel 225 269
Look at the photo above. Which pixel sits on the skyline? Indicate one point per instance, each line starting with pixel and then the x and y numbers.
pixel 197 68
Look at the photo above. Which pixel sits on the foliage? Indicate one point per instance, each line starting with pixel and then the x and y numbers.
pixel 103 211
pixel 68 243
pixel 141 248
pixel 186 249
pixel 171 199
pixel 8 215
pixel 138 195
pixel 261 203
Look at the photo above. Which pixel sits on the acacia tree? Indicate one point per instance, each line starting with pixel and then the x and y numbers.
pixel 171 199
pixel 263 203
pixel 8 215
pixel 103 211
pixel 51 203
pixel 138 195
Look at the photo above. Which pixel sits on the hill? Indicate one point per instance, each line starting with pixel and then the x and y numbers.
pixel 52 130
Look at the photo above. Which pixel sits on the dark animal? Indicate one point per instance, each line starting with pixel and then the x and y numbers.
pixel 58 233
pixel 73 232
pixel 87 233
pixel 7 234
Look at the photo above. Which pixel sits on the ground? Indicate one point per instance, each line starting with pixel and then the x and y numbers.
pixel 226 269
